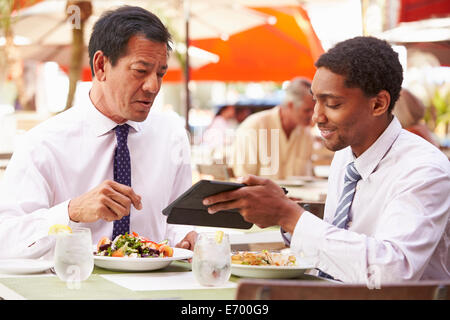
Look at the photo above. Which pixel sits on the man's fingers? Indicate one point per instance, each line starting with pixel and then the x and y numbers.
pixel 235 204
pixel 188 241
pixel 249 180
pixel 252 180
pixel 222 197
pixel 107 214
pixel 183 244
pixel 117 209
pixel 129 192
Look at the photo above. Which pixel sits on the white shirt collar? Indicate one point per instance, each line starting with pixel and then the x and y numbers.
pixel 101 124
pixel 369 160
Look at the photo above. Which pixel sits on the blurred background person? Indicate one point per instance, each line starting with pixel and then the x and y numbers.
pixel 241 113
pixel 216 133
pixel 410 112
pixel 278 143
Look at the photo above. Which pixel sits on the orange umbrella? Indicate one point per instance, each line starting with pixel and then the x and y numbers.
pixel 20 4
pixel 270 52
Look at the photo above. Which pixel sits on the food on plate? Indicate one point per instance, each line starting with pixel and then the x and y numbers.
pixel 133 246
pixel 263 258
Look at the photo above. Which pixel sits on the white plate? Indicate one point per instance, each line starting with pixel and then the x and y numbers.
pixel 268 272
pixel 322 171
pixel 24 266
pixel 141 264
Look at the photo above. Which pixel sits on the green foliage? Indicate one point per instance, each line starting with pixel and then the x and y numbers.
pixel 441 102
pixel 5 15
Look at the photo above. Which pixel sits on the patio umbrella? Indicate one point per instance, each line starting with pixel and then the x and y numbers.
pixel 46 26
pixel 430 36
pixel 45 23
pixel 46 29
pixel 277 51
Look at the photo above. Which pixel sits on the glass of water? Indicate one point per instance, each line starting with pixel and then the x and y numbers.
pixel 74 259
pixel 211 263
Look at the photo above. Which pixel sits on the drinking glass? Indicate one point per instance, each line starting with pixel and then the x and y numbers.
pixel 211 263
pixel 74 259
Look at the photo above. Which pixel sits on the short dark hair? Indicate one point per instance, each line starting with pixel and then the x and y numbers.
pixel 114 28
pixel 367 63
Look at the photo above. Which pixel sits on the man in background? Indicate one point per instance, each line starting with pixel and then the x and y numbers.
pixel 277 143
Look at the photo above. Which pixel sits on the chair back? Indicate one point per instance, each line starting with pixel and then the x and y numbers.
pixel 218 171
pixel 259 289
pixel 315 207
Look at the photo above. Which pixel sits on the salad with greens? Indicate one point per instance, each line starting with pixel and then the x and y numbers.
pixel 133 246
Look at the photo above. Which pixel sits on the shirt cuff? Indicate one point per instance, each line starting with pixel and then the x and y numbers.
pixel 308 237
pixel 42 245
pixel 286 237
pixel 58 214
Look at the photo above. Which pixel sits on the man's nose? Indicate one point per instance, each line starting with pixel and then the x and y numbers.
pixel 318 114
pixel 151 83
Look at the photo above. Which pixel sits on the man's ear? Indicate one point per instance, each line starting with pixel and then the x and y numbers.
pixel 381 103
pixel 99 64
pixel 291 105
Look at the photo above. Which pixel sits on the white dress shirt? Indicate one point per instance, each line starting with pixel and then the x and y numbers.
pixel 400 215
pixel 72 153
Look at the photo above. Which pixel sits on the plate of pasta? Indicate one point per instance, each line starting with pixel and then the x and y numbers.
pixel 267 265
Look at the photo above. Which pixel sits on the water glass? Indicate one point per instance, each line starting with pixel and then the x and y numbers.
pixel 74 259
pixel 211 263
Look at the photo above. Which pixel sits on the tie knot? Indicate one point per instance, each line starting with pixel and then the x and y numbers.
pixel 122 133
pixel 352 174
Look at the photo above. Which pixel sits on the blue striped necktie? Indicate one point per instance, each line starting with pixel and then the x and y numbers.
pixel 122 173
pixel 341 217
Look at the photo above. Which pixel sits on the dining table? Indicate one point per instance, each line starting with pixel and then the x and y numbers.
pixel 176 281
pixel 173 282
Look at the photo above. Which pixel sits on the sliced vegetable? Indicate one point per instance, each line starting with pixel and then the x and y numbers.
pixel 102 241
pixel 166 250
pixel 119 252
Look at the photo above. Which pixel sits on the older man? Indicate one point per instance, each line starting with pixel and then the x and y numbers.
pixel 387 210
pixel 108 164
pixel 278 143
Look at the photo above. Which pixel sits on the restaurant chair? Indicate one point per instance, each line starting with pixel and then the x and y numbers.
pixel 5 156
pixel 315 207
pixel 4 160
pixel 262 289
pixel 218 171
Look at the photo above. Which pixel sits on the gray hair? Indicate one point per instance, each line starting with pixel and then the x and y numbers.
pixel 296 90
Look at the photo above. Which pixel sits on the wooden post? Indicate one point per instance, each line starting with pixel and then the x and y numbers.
pixel 78 11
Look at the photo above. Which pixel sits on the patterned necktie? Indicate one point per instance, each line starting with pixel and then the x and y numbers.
pixel 122 173
pixel 341 217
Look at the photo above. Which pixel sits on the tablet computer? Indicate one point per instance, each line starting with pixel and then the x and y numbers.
pixel 188 208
